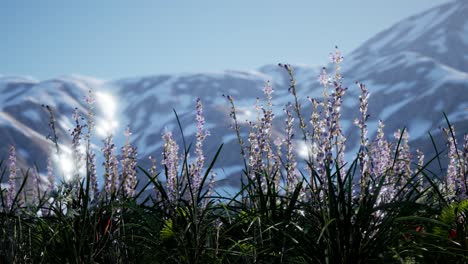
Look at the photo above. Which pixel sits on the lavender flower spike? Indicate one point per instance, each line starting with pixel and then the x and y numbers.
pixel 323 77
pixel 336 57
pixel 110 167
pixel 12 177
pixel 453 169
pixel 363 153
pixel 420 156
pixel 290 159
pixel 129 164
pixel 93 174
pixel 170 160
pixel 201 134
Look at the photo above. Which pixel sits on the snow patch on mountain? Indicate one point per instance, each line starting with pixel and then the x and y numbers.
pixel 32 114
pixel 419 128
pixel 390 110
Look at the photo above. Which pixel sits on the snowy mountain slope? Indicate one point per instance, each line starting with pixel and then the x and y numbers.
pixel 414 70
pixel 440 33
pixel 24 121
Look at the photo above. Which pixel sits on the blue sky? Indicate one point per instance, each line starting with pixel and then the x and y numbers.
pixel 118 38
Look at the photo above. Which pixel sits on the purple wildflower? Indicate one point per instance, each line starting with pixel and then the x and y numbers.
pixel 323 77
pixel 76 143
pixel 89 99
pixel 255 155
pixel 110 167
pixel 91 157
pixel 336 56
pixel 297 105
pixel 322 156
pixel 201 134
pixel 420 156
pixel 336 130
pixel 93 174
pixel 236 128
pixel 380 153
pixel 381 162
pixel 291 179
pixel 129 174
pixel 403 164
pixel 12 177
pixel 152 170
pixel 268 90
pixel 267 123
pixel 170 161
pixel 316 132
pixel 453 179
pixel 363 152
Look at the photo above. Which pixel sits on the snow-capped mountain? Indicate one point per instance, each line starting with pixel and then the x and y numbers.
pixel 415 70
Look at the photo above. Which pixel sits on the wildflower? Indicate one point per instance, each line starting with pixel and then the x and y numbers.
pixel 89 99
pixel 336 56
pixel 110 167
pixel 170 161
pixel 255 155
pixel 236 127
pixel 268 90
pixel 336 130
pixel 290 159
pixel 93 174
pixel 323 77
pixel 201 134
pixel 380 152
pixel 420 156
pixel 297 105
pixel 76 143
pixel 128 177
pixel 12 177
pixel 91 156
pixel 152 169
pixel 278 141
pixel 381 161
pixel 403 164
pixel 454 177
pixel 267 123
pixel 363 153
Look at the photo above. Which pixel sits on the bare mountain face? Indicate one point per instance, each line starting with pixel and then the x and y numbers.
pixel 415 70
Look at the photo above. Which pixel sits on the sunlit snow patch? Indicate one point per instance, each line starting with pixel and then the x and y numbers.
pixel 66 165
pixel 107 123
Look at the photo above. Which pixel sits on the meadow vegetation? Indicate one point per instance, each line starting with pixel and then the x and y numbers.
pixel 382 205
